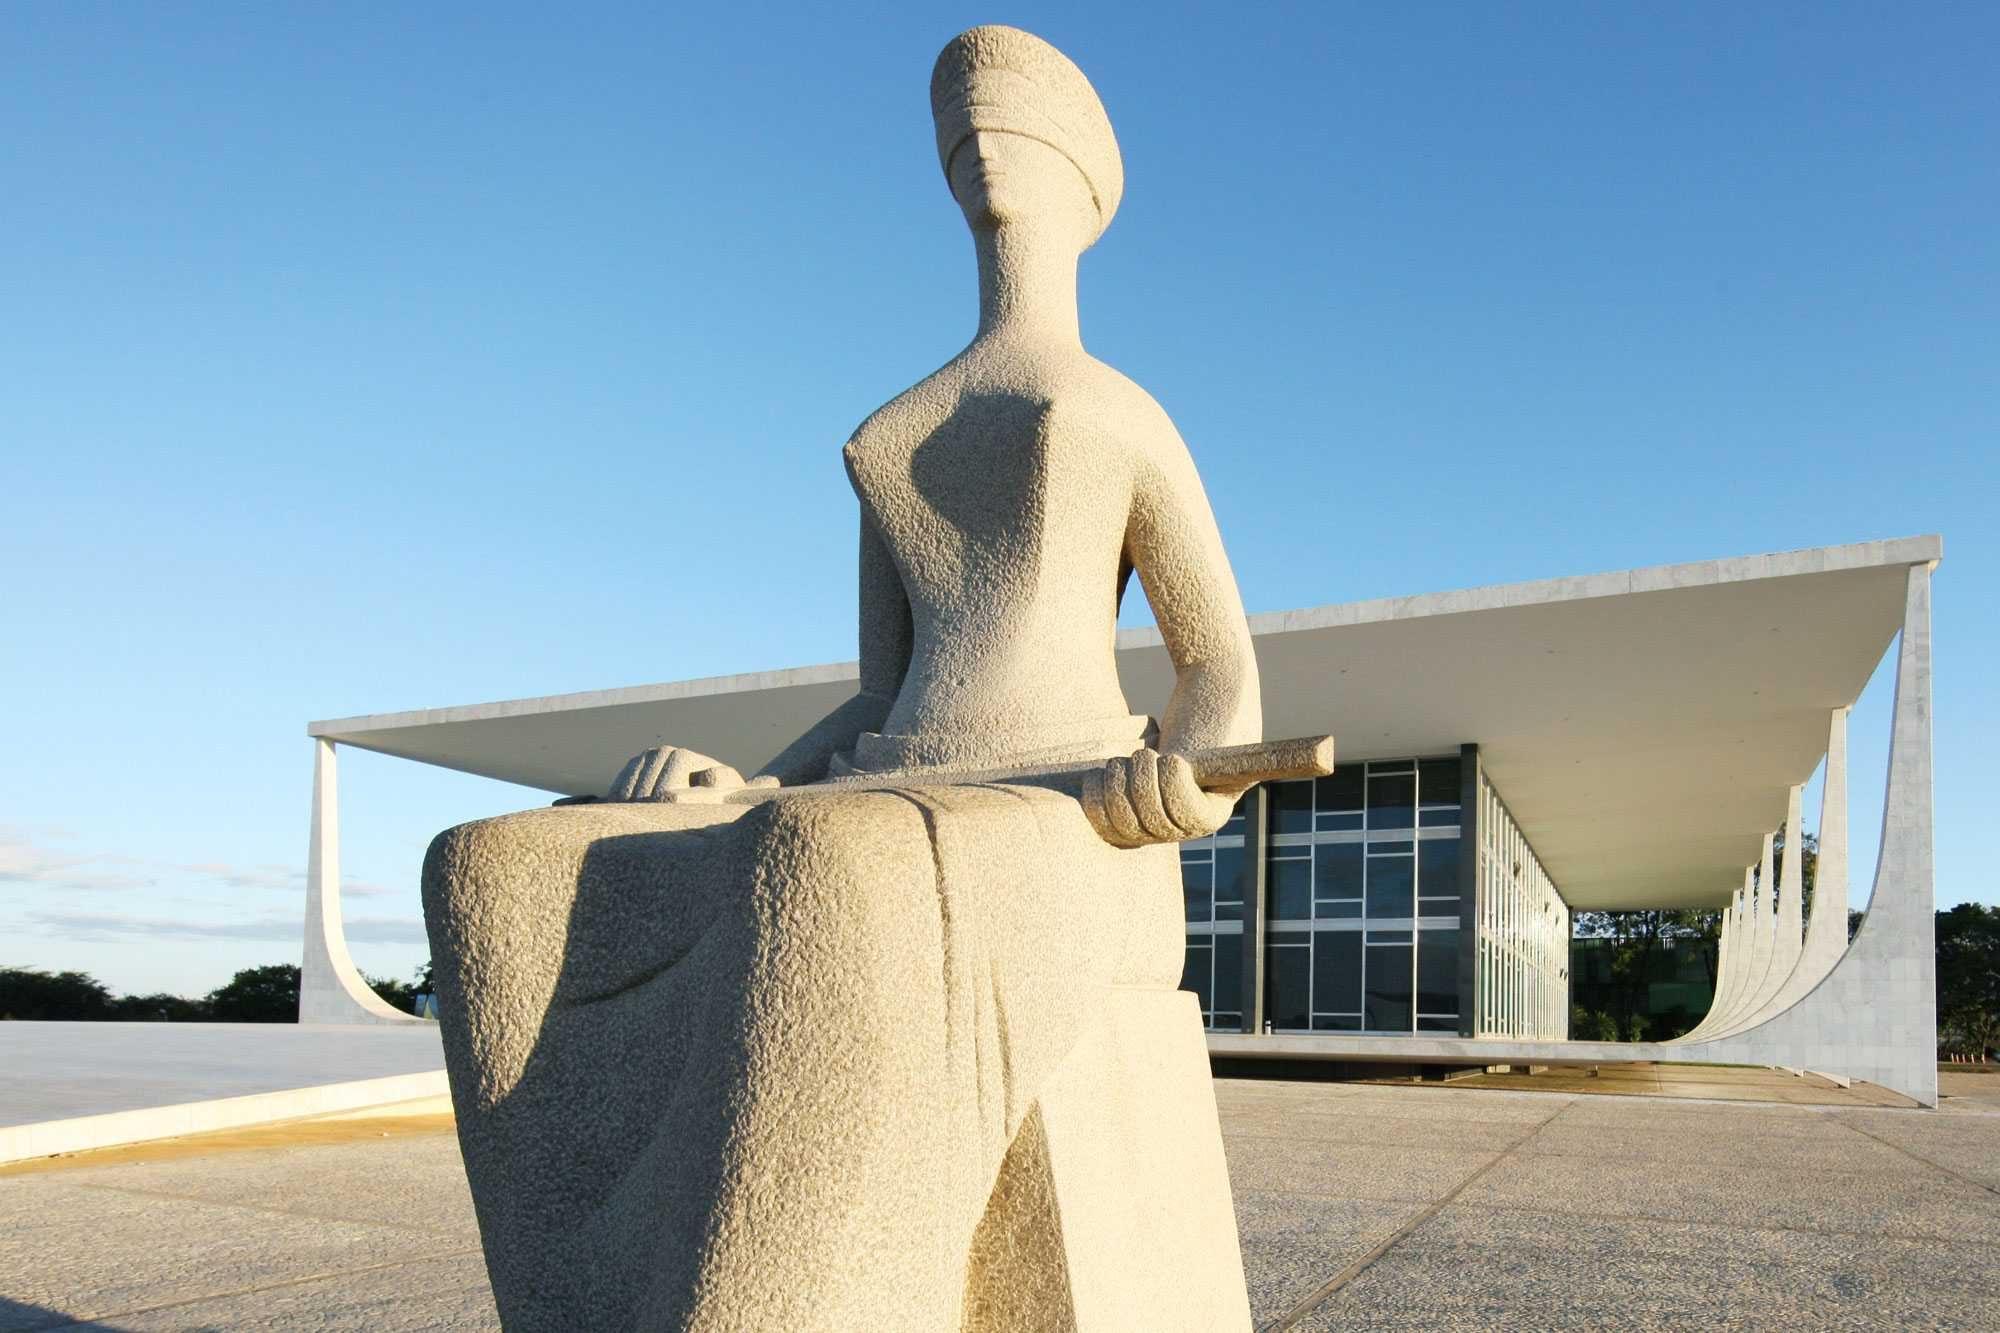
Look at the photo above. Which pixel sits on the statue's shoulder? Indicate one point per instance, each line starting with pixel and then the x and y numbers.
pixel 1104 400
pixel 903 421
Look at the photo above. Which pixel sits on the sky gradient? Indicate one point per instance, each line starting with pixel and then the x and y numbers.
pixel 368 357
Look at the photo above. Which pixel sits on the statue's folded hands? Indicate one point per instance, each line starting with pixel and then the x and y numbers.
pixel 667 771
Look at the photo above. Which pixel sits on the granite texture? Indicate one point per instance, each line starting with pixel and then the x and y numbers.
pixel 886 1035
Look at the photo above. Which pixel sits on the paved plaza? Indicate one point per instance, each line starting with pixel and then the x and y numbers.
pixel 1362 1206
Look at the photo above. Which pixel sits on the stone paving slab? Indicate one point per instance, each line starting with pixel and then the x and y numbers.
pixel 59 1070
pixel 1475 1268
pixel 1371 1207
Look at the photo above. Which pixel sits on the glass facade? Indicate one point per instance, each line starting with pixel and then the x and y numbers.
pixel 1362 892
pixel 1214 880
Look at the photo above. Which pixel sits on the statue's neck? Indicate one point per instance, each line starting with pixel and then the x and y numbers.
pixel 1027 286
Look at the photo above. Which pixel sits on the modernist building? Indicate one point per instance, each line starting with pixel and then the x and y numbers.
pixel 1506 756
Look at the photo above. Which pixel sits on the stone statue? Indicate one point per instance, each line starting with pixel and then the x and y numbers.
pixel 887 1036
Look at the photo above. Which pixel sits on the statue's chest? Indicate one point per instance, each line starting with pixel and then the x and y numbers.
pixel 963 484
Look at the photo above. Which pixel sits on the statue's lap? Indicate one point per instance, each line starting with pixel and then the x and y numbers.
pixel 699 992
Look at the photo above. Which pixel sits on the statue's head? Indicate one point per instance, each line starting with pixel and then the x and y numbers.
pixel 1022 136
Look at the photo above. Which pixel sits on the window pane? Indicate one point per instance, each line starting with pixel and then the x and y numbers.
pixel 1234 824
pixel 1229 978
pixel 1195 970
pixel 1437 972
pixel 1439 781
pixel 1337 1022
pixel 1291 890
pixel 1389 988
pixel 1229 874
pixel 1391 886
pixel 1425 907
pixel 1444 818
pixel 1337 971
pixel 1234 911
pixel 1437 867
pixel 1194 890
pixel 1337 909
pixel 1337 870
pixel 1291 806
pixel 1342 789
pixel 1289 975
pixel 1436 1025
pixel 1392 802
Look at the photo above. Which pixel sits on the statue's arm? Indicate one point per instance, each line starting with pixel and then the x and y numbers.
pixel 1175 548
pixel 886 636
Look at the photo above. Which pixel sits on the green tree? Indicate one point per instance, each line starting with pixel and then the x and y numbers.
pixel 1968 979
pixel 159 1008
pixel 258 995
pixel 31 993
pixel 402 994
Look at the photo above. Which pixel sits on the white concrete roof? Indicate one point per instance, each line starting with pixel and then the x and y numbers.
pixel 1644 727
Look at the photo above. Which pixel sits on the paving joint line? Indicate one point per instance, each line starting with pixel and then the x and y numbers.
pixel 73 1321
pixel 1924 1161
pixel 259 1208
pixel 1332 1285
pixel 1831 1232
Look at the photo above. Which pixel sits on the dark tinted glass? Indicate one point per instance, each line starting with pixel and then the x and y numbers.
pixel 1289 972
pixel 1391 886
pixel 1291 890
pixel 1437 1025
pixel 1234 824
pixel 1234 911
pixel 1432 907
pixel 1337 870
pixel 1337 1022
pixel 1229 874
pixel 1342 789
pixel 1291 806
pixel 1194 889
pixel 1337 971
pixel 1437 867
pixel 1437 972
pixel 1337 909
pixel 1392 802
pixel 1194 971
pixel 1448 817
pixel 1438 781
pixel 1389 988
pixel 1229 976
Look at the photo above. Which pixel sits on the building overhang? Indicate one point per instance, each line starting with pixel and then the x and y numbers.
pixel 1643 727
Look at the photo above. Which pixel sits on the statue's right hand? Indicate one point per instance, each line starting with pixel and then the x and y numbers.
pixel 665 771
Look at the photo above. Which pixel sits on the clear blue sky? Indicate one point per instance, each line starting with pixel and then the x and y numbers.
pixel 365 357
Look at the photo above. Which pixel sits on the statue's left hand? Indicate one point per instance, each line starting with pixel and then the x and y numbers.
pixel 667 772
pixel 1151 797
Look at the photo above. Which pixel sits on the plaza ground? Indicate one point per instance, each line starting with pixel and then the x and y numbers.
pixel 1361 1205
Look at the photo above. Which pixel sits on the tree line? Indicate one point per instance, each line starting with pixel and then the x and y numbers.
pixel 268 994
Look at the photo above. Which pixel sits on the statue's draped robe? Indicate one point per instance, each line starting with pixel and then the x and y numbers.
pixel 784 1049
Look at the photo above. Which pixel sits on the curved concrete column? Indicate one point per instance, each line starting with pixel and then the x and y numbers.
pixel 1874 1016
pixel 1730 960
pixel 1787 924
pixel 1826 934
pixel 330 987
pixel 1757 944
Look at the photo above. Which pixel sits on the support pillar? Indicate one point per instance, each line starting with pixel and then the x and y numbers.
pixel 330 987
pixel 1874 1016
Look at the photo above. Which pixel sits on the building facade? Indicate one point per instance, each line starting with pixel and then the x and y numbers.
pixel 1506 755
pixel 1393 898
